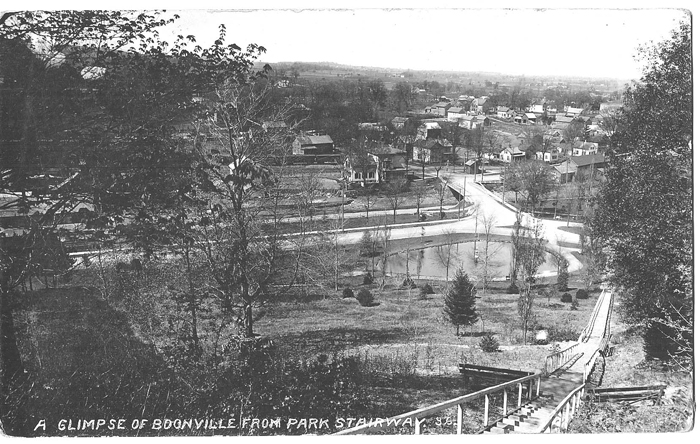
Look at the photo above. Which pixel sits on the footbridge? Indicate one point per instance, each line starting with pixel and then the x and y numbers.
pixel 541 402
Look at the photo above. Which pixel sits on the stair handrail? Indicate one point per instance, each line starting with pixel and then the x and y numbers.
pixel 602 345
pixel 586 333
pixel 564 411
pixel 415 415
pixel 557 360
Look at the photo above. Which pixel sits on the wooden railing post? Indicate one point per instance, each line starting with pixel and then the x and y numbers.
pixel 460 413
pixel 416 426
pixel 538 386
pixel 486 410
pixel 505 402
pixel 520 394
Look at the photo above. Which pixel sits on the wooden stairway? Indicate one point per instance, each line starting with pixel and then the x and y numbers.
pixel 527 419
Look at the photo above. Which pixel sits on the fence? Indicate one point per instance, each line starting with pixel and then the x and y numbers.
pixel 415 415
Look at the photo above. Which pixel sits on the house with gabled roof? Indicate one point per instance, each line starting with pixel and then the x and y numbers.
pixel 363 169
pixel 428 130
pixel 531 117
pixel 564 172
pixel 432 151
pixel 537 108
pixel 441 108
pixel 313 144
pixel 584 164
pixel 573 112
pixel 581 148
pixel 455 113
pixel 549 156
pixel 505 112
pixel 511 154
pixel 399 122
pixel 477 105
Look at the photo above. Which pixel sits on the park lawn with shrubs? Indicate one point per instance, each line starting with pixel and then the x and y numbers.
pixel 404 320
pixel 402 351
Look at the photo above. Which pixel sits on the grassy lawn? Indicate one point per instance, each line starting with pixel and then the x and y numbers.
pixel 403 327
pixel 88 357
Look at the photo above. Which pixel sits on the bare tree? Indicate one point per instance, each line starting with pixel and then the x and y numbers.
pixel 419 193
pixel 537 181
pixel 446 252
pixel 488 222
pixel 531 255
pixel 441 188
pixel 396 198
pixel 610 121
pixel 234 155
pixel 385 237
pixel 369 199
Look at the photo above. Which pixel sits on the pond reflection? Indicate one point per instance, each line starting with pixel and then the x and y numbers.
pixel 441 261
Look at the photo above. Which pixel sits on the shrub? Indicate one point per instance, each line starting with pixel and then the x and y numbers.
pixel 489 343
pixel 348 293
pixel 426 289
pixel 566 297
pixel 581 294
pixel 562 333
pixel 367 279
pixel 365 298
pixel 574 304
pixel 408 282
pixel 513 289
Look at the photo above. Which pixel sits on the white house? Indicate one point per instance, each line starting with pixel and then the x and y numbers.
pixel 455 113
pixel 504 112
pixel 584 148
pixel 573 112
pixel 548 156
pixel 355 170
pixel 510 154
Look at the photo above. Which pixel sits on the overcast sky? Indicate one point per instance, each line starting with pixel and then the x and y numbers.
pixel 575 42
pixel 585 42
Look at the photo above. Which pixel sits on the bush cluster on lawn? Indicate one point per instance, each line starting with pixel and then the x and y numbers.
pixel 562 333
pixel 348 293
pixel 566 297
pixel 574 304
pixel 581 294
pixel 367 279
pixel 365 298
pixel 513 289
pixel 426 290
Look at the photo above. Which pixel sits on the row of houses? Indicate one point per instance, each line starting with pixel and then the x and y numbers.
pixel 467 104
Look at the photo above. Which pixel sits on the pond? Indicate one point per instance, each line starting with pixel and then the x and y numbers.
pixel 431 262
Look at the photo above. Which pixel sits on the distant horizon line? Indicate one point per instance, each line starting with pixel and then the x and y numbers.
pixel 569 76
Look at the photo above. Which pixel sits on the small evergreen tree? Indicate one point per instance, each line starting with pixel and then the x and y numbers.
pixel 489 343
pixel 460 301
pixel 365 244
pixel 563 277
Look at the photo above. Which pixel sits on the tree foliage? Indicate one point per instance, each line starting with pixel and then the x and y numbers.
pixel 643 219
pixel 460 301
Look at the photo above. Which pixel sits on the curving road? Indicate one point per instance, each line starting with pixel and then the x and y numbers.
pixel 488 205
